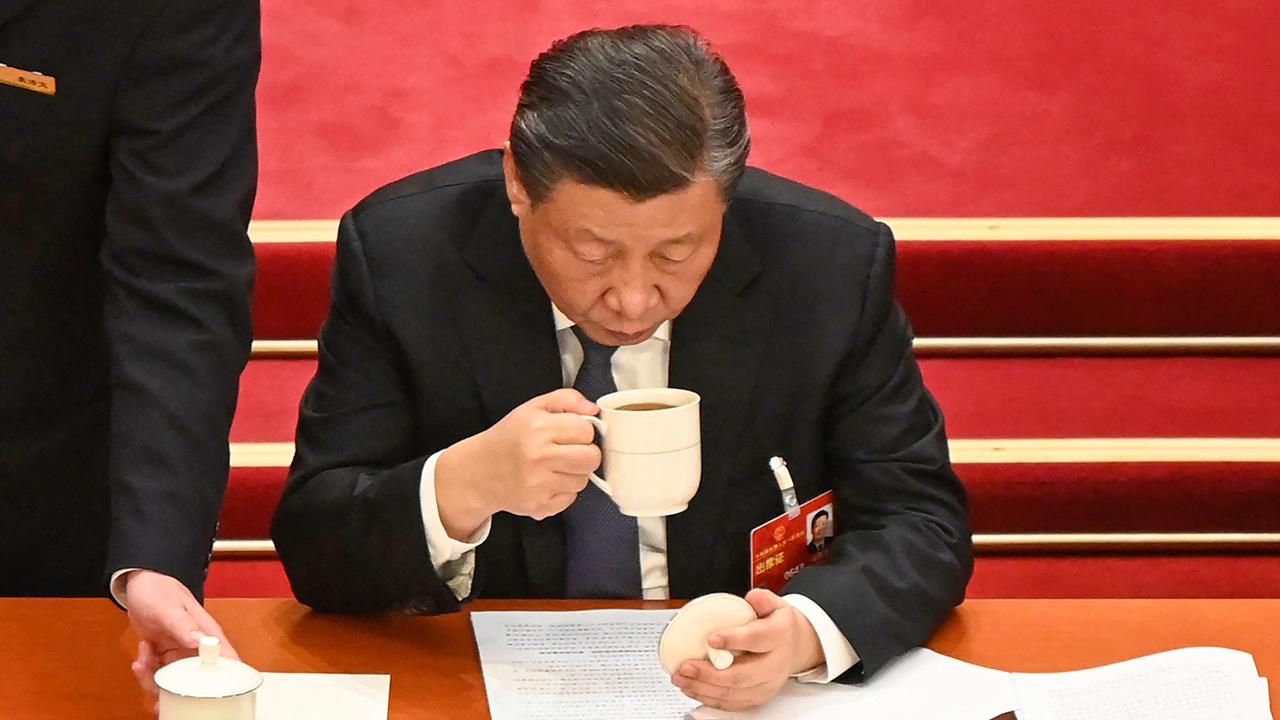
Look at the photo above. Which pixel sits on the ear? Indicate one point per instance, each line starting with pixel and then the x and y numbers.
pixel 520 203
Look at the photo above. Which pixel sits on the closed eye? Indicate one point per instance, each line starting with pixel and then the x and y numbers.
pixel 594 252
pixel 676 252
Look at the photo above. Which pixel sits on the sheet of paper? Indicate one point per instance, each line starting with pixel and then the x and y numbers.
pixel 920 685
pixel 1187 684
pixel 1264 700
pixel 317 696
pixel 603 663
pixel 576 665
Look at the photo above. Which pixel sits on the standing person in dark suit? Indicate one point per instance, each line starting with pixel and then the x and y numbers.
pixel 128 164
pixel 620 242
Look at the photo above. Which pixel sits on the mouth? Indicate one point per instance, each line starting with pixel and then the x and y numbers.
pixel 629 338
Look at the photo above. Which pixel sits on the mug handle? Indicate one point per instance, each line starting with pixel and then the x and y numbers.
pixel 596 479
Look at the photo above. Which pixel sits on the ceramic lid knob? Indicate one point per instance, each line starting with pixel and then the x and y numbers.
pixel 210 650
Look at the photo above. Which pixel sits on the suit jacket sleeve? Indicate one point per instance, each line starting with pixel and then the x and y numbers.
pixel 177 276
pixel 349 528
pixel 903 554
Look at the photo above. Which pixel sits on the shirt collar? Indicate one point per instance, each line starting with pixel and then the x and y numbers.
pixel 563 322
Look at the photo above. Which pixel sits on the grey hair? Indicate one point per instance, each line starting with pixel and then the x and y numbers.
pixel 642 110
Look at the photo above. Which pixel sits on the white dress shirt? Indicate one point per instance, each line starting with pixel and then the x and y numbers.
pixel 643 365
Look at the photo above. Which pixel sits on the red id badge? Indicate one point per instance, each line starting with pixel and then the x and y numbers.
pixel 781 547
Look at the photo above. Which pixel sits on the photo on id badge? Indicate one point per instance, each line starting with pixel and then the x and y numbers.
pixel 819 534
pixel 783 546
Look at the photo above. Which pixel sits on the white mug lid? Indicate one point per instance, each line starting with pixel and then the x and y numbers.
pixel 685 637
pixel 208 675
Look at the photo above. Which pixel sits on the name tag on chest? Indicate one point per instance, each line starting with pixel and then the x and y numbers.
pixel 28 80
pixel 783 546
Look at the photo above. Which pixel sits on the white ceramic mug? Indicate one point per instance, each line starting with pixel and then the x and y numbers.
pixel 653 456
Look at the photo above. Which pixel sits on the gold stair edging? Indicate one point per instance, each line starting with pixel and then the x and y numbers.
pixel 1124 542
pixel 243 548
pixel 285 349
pixel 911 229
pixel 994 543
pixel 971 451
pixel 1106 345
pixel 261 454
pixel 267 232
pixel 978 346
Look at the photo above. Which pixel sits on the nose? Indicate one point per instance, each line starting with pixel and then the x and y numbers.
pixel 632 295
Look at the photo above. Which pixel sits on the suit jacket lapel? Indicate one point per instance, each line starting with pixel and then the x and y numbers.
pixel 507 327
pixel 715 344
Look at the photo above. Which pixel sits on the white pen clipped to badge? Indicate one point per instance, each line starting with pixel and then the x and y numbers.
pixel 788 488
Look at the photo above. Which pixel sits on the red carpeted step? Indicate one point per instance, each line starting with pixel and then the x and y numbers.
pixel 291 291
pixel 1153 576
pixel 270 390
pixel 247 577
pixel 1090 288
pixel 980 397
pixel 958 289
pixel 1123 497
pixel 984 397
pixel 1004 498
pixel 1107 396
pixel 251 499
pixel 995 576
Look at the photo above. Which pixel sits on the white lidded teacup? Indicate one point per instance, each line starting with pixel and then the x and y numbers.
pixel 652 444
pixel 208 686
pixel 686 634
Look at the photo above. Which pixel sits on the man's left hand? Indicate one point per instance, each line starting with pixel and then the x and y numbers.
pixel 777 645
pixel 169 622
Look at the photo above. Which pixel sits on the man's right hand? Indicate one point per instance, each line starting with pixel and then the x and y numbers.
pixel 533 462
pixel 169 622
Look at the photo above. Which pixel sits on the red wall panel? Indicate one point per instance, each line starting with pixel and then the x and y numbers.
pixel 904 107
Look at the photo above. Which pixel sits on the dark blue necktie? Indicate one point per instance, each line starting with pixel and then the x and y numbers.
pixel 602 545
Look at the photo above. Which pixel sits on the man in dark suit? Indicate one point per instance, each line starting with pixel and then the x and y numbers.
pixel 128 164
pixel 619 242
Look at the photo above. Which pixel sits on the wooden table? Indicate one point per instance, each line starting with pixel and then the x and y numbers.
pixel 70 658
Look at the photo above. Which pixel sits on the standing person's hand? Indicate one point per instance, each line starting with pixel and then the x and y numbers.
pixel 533 462
pixel 779 644
pixel 169 622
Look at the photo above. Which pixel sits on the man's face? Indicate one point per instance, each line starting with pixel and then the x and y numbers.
pixel 616 267
pixel 821 527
